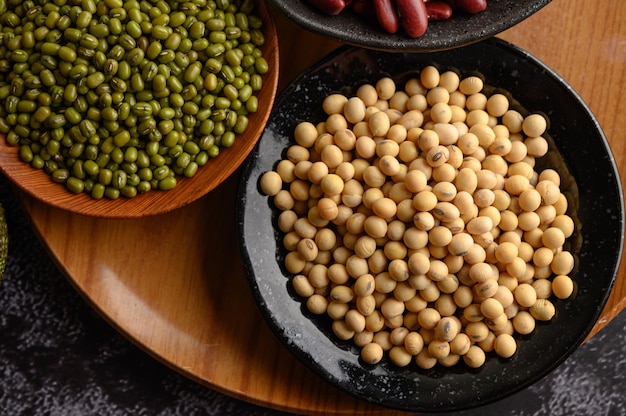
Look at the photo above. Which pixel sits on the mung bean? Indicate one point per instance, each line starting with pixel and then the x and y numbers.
pixel 110 77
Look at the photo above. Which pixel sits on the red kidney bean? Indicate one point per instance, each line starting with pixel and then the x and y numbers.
pixel 330 7
pixel 438 10
pixel 468 6
pixel 413 17
pixel 387 15
pixel 363 8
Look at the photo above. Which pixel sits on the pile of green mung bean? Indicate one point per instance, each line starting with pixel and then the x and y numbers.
pixel 116 98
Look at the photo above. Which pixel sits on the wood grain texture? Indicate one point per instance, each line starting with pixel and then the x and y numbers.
pixel 174 284
pixel 38 184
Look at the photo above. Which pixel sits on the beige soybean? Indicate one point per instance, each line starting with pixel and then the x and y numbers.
pixel 437 95
pixel 327 209
pixel 307 249
pixel 397 132
pixel 337 310
pixel 525 295
pixel 440 111
pixel 429 77
pixel 491 308
pixel 447 329
pixel 271 183
pixel 379 123
pixel 413 343
pixel 427 140
pixel 285 168
pixel 542 310
pixel 354 110
pixel 549 191
pixel 477 101
pixel 536 146
pixel 305 134
pixel 365 147
pixel 286 220
pixel 368 94
pixel 534 125
pixel 385 88
pixel 500 324
pixel 524 322
pixel 299 190
pixel 460 345
pixel 334 103
pixel 562 286
pixel 317 304
pixel 485 289
pixel 424 360
pixel 355 320
pixel 363 338
pixel 505 345
pixel 471 85
pixel 301 169
pixel 497 105
pixel 345 139
pixel 382 338
pixel 474 357
pixel 513 120
pixel 439 349
pixel 436 212
pixel 389 165
pixel 449 80
pixel 553 238
pixel 332 155
pixel 398 192
pixel 302 286
pixel 563 263
pixel 398 335
pixel 372 353
pixel 367 306
pixel 445 172
pixel 477 331
pixel 428 318
pixel 543 288
pixel 468 143
pixel 398 101
pixel 440 236
pixel 342 330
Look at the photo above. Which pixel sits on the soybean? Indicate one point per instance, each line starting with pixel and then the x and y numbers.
pixel 443 243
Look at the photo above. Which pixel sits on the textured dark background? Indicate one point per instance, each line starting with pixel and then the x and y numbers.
pixel 58 357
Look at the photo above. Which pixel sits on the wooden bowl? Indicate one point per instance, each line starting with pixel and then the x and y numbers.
pixel 38 183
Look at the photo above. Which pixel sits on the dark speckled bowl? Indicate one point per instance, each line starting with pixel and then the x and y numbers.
pixel 461 29
pixel 580 152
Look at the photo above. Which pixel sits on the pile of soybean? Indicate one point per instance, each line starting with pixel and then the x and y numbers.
pixel 417 219
pixel 116 98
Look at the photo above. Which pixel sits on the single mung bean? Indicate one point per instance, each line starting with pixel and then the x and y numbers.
pixel 167 183
pixel 75 185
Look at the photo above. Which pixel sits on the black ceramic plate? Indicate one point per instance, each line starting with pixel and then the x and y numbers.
pixel 461 29
pixel 596 200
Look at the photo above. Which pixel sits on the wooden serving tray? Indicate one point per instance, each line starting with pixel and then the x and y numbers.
pixel 174 283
